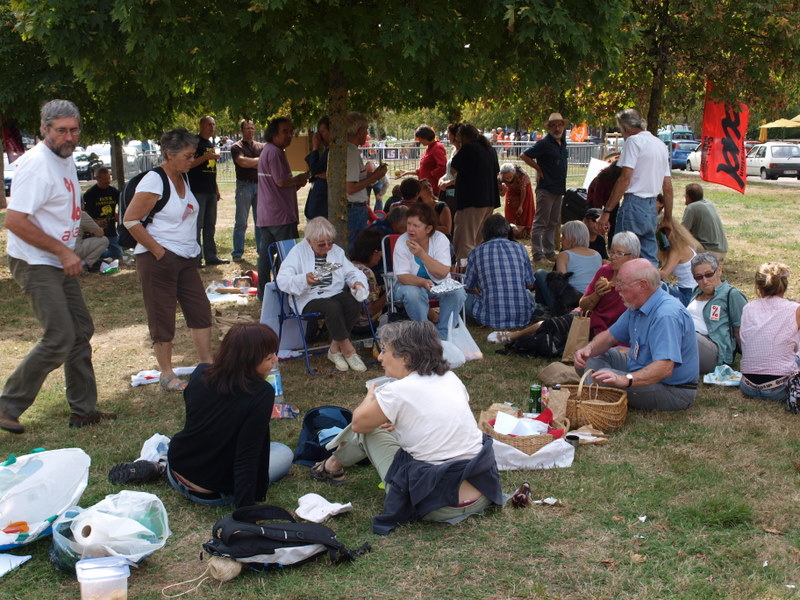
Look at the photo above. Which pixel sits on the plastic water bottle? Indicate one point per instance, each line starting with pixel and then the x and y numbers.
pixel 274 378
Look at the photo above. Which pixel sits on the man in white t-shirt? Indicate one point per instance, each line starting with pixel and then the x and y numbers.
pixel 358 179
pixel 43 221
pixel 645 173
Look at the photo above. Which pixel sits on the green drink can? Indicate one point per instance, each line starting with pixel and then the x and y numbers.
pixel 535 399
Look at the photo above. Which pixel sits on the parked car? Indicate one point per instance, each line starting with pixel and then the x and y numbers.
pixel 86 164
pixel 694 158
pixel 774 159
pixel 8 173
pixel 679 152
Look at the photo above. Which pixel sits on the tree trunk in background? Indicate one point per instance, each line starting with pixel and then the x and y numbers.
pixel 3 203
pixel 656 94
pixel 117 162
pixel 337 159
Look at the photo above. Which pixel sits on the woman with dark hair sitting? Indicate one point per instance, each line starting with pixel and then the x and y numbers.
pixel 421 260
pixel 223 455
pixel 420 434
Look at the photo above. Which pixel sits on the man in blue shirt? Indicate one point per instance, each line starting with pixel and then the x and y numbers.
pixel 548 157
pixel 660 367
pixel 498 275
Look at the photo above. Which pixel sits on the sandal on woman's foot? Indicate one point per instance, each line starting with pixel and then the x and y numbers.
pixel 172 383
pixel 140 471
pixel 320 473
pixel 499 337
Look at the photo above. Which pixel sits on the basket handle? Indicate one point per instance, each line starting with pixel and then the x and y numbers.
pixel 586 373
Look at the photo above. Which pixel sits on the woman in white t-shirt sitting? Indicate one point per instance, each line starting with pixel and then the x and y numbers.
pixel 421 260
pixel 167 255
pixel 420 434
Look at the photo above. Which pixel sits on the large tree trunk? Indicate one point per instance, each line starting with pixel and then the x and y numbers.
pixel 337 159
pixel 117 161
pixel 3 203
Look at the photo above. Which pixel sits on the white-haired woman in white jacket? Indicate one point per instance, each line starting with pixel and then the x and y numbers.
pixel 335 292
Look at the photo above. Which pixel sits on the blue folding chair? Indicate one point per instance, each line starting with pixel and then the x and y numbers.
pixel 289 309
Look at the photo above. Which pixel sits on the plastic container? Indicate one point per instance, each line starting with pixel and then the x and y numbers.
pixel 274 379
pixel 103 578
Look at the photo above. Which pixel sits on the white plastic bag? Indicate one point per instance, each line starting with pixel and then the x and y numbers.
pixel 129 524
pixel 37 488
pixel 155 449
pixel 454 357
pixel 460 336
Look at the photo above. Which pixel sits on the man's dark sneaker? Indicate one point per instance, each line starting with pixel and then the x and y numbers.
pixel 140 471
pixel 10 424
pixel 92 419
pixel 217 261
pixel 237 259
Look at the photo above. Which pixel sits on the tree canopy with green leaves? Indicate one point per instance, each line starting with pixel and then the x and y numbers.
pixel 254 55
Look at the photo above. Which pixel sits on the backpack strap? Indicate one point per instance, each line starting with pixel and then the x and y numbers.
pixel 162 201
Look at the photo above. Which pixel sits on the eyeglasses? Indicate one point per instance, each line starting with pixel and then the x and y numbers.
pixel 621 284
pixel 618 254
pixel 62 131
pixel 701 276
pixel 327 244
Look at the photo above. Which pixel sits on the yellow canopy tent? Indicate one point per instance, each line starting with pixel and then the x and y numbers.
pixel 785 123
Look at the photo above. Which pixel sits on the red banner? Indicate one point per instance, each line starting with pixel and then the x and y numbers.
pixel 724 129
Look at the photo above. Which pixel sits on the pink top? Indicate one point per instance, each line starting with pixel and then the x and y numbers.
pixel 609 307
pixel 770 338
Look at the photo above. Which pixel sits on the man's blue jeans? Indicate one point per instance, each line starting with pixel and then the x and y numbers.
pixel 246 201
pixel 639 215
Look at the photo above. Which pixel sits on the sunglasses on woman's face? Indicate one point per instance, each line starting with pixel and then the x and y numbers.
pixel 701 276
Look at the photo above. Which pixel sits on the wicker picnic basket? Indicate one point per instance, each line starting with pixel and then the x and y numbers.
pixel 525 443
pixel 602 407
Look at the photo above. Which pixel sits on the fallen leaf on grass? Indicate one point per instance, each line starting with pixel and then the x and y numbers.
pixel 773 531
pixel 637 558
pixel 610 564
pixel 796 465
pixel 617 518
pixel 467 377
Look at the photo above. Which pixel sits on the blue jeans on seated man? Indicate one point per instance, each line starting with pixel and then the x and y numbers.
pixel 246 201
pixel 114 250
pixel 415 300
pixel 280 461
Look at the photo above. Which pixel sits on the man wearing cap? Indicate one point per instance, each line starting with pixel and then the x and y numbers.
pixel 645 173
pixel 548 157
pixel 596 240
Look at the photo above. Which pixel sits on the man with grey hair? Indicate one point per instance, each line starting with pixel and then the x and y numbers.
pixel 660 369
pixel 358 179
pixel 43 222
pixel 203 181
pixel 645 173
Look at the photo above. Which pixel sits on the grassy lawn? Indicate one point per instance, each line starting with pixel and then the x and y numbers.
pixel 719 483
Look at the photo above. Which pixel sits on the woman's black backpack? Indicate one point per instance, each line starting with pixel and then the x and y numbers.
pixel 267 536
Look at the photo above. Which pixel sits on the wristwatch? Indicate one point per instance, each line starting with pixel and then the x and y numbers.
pixel 605 210
pixel 630 379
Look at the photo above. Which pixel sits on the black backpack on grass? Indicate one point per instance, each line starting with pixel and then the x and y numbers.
pixel 126 240
pixel 267 536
